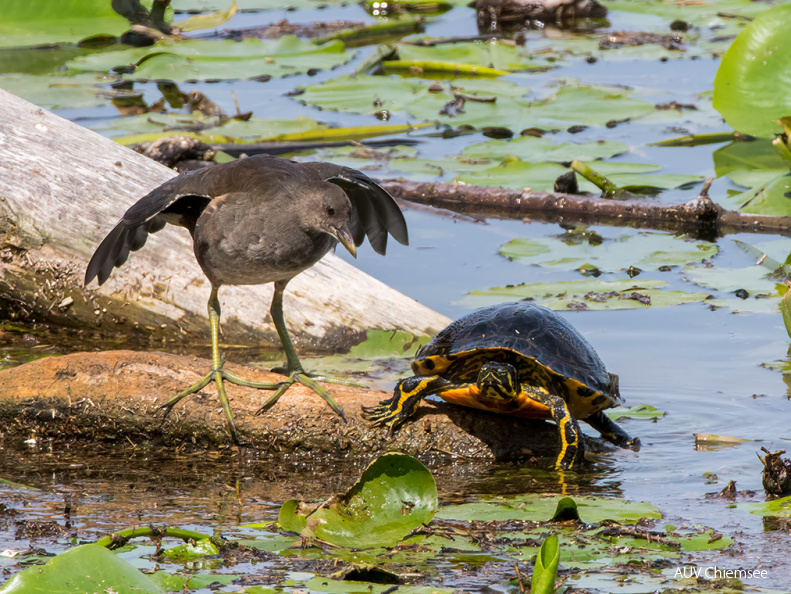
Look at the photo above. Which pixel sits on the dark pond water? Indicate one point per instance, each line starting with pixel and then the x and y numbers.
pixel 703 366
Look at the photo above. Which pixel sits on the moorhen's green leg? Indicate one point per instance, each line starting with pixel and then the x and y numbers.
pixel 217 373
pixel 294 369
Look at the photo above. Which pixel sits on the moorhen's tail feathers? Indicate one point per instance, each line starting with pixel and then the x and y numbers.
pixel 103 260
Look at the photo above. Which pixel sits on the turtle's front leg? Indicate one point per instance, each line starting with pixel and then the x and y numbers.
pixel 612 432
pixel 406 397
pixel 571 448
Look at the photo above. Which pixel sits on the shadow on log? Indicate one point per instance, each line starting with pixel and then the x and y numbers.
pixel 114 396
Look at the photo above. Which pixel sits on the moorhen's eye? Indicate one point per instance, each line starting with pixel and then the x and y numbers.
pixel 330 211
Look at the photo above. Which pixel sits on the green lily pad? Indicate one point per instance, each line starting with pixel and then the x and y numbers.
pixel 178 582
pixel 25 23
pixel 753 279
pixel 646 251
pixel 772 197
pixel 530 148
pixel 748 155
pixel 413 97
pixel 776 508
pixel 330 586
pixel 462 57
pixel 755 73
pixel 587 294
pixel 149 127
pixel 513 173
pixel 638 411
pixel 576 104
pixel 382 358
pixel 58 91
pixel 187 551
pixel 187 60
pixel 87 568
pixel 580 104
pixel 536 508
pixel 394 495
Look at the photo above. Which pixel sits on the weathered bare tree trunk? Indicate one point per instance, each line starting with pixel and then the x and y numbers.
pixel 63 187
pixel 699 214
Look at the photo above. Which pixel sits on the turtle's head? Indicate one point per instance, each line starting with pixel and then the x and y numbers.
pixel 498 380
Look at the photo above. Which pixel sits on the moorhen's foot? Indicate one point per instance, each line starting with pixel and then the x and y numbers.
pixel 306 380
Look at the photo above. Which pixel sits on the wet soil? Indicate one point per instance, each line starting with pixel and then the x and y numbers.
pixel 114 396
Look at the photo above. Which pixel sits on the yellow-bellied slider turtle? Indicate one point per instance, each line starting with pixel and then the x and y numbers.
pixel 517 359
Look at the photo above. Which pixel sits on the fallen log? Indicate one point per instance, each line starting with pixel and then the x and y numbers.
pixel 113 396
pixel 63 187
pixel 700 216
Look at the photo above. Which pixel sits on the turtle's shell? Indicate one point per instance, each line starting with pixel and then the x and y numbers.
pixel 546 350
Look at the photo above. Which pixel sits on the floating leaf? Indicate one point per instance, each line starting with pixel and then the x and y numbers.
pixel 777 508
pixel 638 411
pixel 188 550
pixel 26 23
pixel 538 508
pixel 530 148
pixel 87 568
pixel 182 583
pixel 710 439
pixel 646 251
pixel 753 279
pixel 199 59
pixel 330 586
pixel 748 155
pixel 58 91
pixel 461 57
pixel 207 21
pixel 513 173
pixel 585 105
pixel 394 495
pixel 772 197
pixel 581 104
pixel 750 88
pixel 587 294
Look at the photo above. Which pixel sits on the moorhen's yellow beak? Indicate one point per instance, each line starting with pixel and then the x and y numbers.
pixel 344 236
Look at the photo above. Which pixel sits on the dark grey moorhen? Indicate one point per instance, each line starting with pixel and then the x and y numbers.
pixel 253 221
